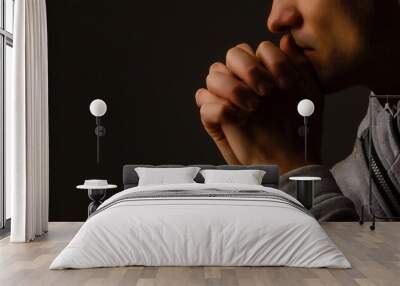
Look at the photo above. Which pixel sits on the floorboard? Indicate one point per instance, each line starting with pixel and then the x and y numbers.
pixel 375 257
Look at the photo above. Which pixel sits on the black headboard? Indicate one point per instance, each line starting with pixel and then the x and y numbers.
pixel 271 177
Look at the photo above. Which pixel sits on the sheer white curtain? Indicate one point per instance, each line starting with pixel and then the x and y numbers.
pixel 27 124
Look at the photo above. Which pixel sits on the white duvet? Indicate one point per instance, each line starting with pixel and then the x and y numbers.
pixel 200 231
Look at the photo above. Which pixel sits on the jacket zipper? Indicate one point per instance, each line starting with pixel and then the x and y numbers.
pixel 382 182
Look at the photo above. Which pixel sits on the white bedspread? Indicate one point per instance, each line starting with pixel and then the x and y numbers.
pixel 200 231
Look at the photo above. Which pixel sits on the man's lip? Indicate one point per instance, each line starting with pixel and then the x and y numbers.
pixel 305 49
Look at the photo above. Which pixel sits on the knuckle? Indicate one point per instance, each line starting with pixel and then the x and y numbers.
pixel 215 66
pixel 209 80
pixel 197 96
pixel 244 46
pixel 199 91
pixel 265 45
pixel 230 54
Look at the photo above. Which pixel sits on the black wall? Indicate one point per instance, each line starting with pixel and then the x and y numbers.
pixel 146 59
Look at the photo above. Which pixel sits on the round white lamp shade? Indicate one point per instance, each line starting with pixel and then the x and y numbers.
pixel 305 108
pixel 98 107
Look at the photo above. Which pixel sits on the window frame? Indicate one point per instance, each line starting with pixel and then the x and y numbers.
pixel 6 39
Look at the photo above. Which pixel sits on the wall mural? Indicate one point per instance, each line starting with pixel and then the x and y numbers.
pixel 220 83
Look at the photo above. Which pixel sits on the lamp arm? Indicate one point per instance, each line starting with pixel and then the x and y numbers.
pixel 98 119
pixel 305 137
pixel 100 131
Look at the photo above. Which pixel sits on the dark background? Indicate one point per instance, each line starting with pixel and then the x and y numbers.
pixel 146 59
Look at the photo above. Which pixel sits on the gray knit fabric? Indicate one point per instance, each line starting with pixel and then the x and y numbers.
pixel 352 174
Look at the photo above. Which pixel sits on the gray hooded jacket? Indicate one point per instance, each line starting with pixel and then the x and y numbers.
pixel 345 188
pixel 352 174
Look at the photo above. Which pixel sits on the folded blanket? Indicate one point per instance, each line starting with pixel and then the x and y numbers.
pixel 205 193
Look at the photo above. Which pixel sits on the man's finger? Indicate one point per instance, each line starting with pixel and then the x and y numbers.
pixel 219 67
pixel 247 48
pixel 212 115
pixel 278 65
pixel 249 69
pixel 308 79
pixel 229 113
pixel 232 89
pixel 288 46
pixel 203 96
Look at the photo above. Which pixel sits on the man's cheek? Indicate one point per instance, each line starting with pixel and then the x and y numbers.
pixel 315 59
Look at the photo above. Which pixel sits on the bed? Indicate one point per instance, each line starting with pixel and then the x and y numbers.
pixel 198 224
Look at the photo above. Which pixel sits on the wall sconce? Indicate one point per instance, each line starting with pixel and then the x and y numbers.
pixel 305 108
pixel 98 108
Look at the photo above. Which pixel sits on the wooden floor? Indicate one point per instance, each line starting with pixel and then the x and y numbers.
pixel 375 257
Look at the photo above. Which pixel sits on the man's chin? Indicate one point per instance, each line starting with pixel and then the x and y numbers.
pixel 331 74
pixel 327 78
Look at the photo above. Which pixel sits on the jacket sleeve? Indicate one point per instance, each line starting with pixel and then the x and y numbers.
pixel 329 202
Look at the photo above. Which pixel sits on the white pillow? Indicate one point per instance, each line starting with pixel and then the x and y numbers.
pixel 164 176
pixel 248 177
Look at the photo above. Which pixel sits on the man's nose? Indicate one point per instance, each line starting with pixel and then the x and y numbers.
pixel 283 17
